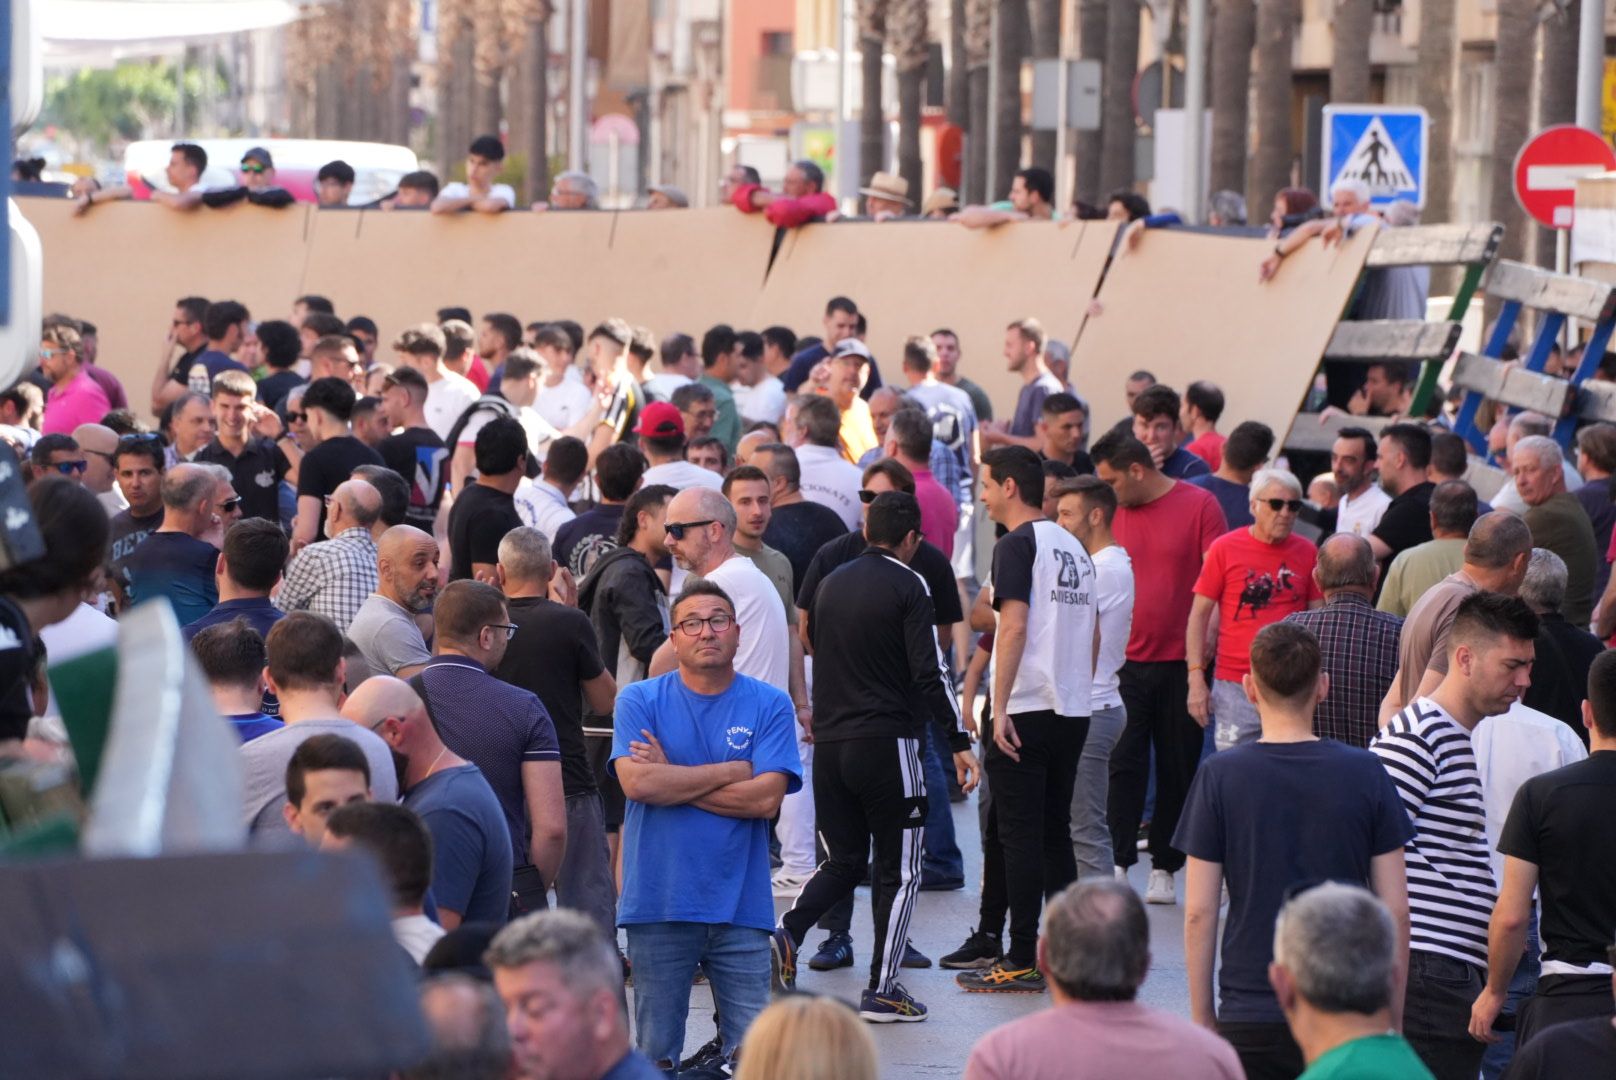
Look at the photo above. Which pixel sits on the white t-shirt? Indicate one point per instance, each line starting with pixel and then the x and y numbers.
pixel 680 475
pixel 457 190
pixel 446 399
pixel 565 403
pixel 1113 592
pixel 1043 566
pixel 765 651
pixel 661 387
pixel 765 401
pixel 416 934
pixel 541 504
pixel 1511 749
pixel 831 480
pixel 1360 514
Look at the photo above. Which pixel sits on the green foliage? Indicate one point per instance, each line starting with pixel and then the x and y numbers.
pixel 134 100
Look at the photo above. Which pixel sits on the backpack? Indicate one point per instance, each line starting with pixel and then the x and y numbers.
pixel 492 403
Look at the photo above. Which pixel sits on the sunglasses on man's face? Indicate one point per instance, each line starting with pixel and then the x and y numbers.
pixel 676 529
pixel 68 468
pixel 254 168
pixel 296 417
pixel 1276 505
pixel 229 505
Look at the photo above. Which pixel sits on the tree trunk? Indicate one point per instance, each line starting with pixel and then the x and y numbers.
pixel 532 85
pixel 1557 93
pixel 1091 20
pixel 978 57
pixel 907 24
pixel 1271 162
pixel 1349 64
pixel 872 114
pixel 1234 32
pixel 1511 116
pixel 1045 27
pixel 1434 91
pixel 1117 134
pixel 1009 48
pixel 959 72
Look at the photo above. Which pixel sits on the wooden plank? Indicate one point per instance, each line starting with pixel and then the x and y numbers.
pixel 1316 432
pixel 1436 245
pixel 1596 400
pixel 1511 384
pixel 1374 340
pixel 1591 301
pixel 1485 478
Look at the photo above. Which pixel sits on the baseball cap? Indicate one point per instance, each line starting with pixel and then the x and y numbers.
pixel 260 155
pixel 853 347
pixel 659 420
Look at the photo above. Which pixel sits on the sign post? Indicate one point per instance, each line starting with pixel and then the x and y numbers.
pixel 1550 164
pixel 1384 146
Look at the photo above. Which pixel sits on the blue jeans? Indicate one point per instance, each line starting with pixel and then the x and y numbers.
pixel 940 855
pixel 1521 987
pixel 665 957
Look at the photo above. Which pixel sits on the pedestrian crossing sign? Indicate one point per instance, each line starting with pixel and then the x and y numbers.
pixel 1382 145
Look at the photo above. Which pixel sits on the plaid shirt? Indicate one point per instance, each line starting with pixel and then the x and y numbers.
pixel 331 578
pixel 1360 655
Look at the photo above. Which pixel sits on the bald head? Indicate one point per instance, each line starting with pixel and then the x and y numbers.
pixel 407 567
pixel 1496 540
pixel 1346 563
pixel 96 438
pixel 379 697
pixel 361 504
pixel 702 504
pixel 400 541
pixel 749 444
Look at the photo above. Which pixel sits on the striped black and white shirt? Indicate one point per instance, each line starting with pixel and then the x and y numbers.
pixel 1451 890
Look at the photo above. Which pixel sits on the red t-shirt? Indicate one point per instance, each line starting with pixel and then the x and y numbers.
pixel 478 374
pixel 1209 448
pixel 1166 540
pixel 1254 584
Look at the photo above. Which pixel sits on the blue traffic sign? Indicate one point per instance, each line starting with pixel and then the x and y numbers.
pixel 1382 145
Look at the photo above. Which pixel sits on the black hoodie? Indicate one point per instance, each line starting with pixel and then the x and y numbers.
pixel 629 607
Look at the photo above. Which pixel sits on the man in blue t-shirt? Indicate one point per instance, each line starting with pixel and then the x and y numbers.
pixel 175 561
pixel 704 756
pixel 1287 810
pixel 472 859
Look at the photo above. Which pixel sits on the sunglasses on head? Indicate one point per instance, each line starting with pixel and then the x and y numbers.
pixel 68 468
pixel 1276 505
pixel 676 529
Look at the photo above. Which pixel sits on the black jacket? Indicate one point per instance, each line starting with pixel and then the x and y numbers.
pixel 877 670
pixel 629 607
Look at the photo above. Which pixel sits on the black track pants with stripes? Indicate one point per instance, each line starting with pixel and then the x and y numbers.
pixel 867 790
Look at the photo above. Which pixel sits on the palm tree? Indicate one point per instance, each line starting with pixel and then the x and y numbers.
pixel 872 24
pixel 1117 136
pixel 978 55
pixel 959 83
pixel 491 39
pixel 1512 66
pixel 1091 20
pixel 531 137
pixel 1434 91
pixel 1271 163
pixel 1234 32
pixel 1349 63
pixel 1009 49
pixel 907 25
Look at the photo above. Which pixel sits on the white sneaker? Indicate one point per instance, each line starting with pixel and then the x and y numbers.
pixel 1160 890
pixel 1120 873
pixel 789 884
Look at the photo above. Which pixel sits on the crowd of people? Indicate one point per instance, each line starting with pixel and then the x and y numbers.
pixel 609 647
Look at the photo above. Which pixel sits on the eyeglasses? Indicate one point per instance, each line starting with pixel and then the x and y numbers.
pixel 254 168
pixel 68 468
pixel 509 628
pixel 1276 505
pixel 229 505
pixel 676 529
pixel 717 623
pixel 296 417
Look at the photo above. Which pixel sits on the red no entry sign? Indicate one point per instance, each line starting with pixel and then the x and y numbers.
pixel 1550 164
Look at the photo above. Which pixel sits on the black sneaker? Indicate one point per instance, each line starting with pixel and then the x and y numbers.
pixel 896 1007
pixel 1002 979
pixel 836 951
pixel 784 961
pixel 718 1068
pixel 913 957
pixel 978 952
pixel 713 1051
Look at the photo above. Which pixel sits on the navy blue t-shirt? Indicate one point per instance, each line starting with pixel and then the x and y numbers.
pixel 1183 465
pixel 1234 498
pixel 1278 815
pixel 178 566
pixel 581 542
pixel 203 369
pixel 471 845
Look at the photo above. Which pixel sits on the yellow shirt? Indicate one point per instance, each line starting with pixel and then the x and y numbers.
pixel 858 432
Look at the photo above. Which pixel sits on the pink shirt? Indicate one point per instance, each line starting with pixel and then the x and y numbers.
pixel 1100 1040
pixel 939 513
pixel 81 401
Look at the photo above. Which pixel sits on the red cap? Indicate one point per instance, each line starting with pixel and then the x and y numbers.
pixel 659 420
